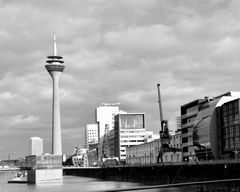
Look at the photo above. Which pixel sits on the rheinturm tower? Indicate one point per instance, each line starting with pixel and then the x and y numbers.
pixel 55 68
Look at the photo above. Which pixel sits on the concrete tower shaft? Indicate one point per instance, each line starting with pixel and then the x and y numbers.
pixel 55 68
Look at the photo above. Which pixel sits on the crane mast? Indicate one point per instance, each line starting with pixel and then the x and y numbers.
pixel 164 131
pixel 160 106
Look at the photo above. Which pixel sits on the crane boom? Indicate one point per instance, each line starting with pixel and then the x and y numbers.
pixel 160 106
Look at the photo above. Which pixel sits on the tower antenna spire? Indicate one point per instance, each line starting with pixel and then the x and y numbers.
pixel 54 44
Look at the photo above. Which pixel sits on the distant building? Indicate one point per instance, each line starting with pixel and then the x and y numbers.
pixel 80 158
pixel 150 136
pixel 91 134
pixel 178 122
pixel 129 130
pixel 147 153
pixel 176 140
pixel 209 127
pixel 36 146
pixel 105 118
pixel 92 156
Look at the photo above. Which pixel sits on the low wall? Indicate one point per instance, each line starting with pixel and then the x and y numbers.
pixel 7 175
pixel 158 174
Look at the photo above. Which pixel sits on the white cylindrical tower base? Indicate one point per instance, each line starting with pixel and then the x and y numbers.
pixel 56 120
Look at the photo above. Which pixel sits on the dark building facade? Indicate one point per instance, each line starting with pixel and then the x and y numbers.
pixel 209 127
pixel 189 112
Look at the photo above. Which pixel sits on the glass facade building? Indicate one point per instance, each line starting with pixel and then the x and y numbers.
pixel 230 127
pixel 205 119
pixel 210 128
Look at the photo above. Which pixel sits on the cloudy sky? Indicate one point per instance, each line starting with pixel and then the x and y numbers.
pixel 114 51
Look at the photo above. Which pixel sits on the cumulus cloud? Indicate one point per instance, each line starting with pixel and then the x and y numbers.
pixel 114 51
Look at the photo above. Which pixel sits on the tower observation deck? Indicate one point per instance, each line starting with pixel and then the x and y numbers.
pixel 55 68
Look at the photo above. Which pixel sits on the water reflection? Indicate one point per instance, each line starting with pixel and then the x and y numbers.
pixel 76 184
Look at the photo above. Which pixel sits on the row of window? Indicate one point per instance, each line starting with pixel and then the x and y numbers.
pixel 232 143
pixel 231 106
pixel 231 131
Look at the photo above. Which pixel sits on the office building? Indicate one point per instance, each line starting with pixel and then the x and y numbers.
pixel 91 134
pixel 129 130
pixel 36 146
pixel 203 128
pixel 105 119
pixel 230 143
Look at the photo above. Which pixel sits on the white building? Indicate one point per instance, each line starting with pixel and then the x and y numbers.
pixel 36 146
pixel 176 140
pixel 80 158
pixel 129 131
pixel 150 136
pixel 105 118
pixel 91 134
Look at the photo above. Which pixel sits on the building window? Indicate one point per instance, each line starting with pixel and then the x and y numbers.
pixel 231 131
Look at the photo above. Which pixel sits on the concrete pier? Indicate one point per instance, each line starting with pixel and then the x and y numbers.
pixel 44 168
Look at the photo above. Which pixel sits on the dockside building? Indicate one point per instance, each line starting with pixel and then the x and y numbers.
pixel 210 128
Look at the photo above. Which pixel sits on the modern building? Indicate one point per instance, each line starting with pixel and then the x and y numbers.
pixel 147 153
pixel 36 146
pixel 105 116
pixel 230 115
pixel 189 112
pixel 105 119
pixel 55 68
pixel 91 134
pixel 129 130
pixel 202 126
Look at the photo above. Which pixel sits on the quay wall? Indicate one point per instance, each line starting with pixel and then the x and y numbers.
pixel 160 174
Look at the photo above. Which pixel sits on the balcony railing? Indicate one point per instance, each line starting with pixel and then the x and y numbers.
pixel 190 124
pixel 189 114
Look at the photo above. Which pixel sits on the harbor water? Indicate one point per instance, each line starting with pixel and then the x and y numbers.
pixel 82 184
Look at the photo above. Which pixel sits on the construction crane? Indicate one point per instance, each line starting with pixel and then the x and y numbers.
pixel 164 131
